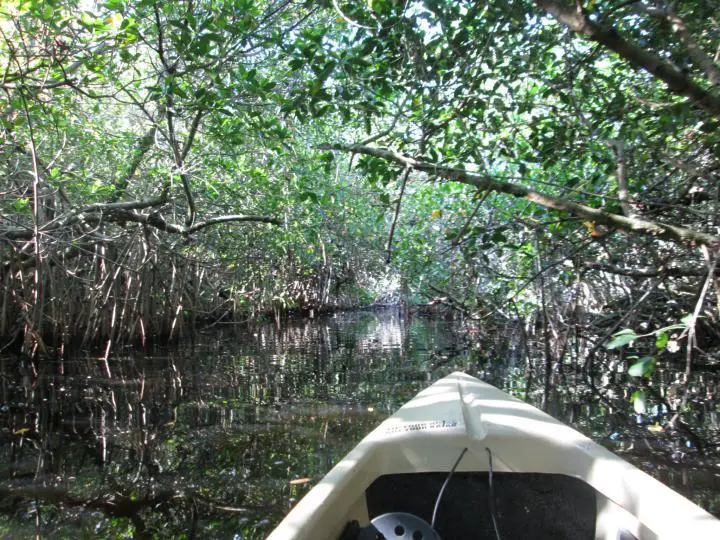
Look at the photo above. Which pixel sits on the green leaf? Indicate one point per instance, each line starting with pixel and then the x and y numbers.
pixel 661 340
pixel 126 55
pixel 21 205
pixel 498 237
pixel 644 367
pixel 114 5
pixel 621 338
pixel 308 196
pixel 639 401
pixel 203 44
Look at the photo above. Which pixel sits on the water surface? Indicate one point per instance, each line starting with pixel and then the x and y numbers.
pixel 219 440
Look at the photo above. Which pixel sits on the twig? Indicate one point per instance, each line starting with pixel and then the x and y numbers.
pixel 589 358
pixel 472 215
pixel 396 215
pixel 692 340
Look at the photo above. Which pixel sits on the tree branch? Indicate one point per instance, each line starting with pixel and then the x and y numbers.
pixel 662 69
pixel 623 192
pixel 191 136
pixel 157 221
pixel 120 212
pixel 168 74
pixel 678 25
pixel 630 224
pixel 644 272
pixel 138 154
pixel 115 505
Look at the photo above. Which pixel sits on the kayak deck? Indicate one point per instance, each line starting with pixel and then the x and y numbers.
pixel 549 480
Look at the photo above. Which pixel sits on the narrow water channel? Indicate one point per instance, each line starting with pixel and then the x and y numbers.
pixel 220 439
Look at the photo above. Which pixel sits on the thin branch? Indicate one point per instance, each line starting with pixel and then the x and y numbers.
pixel 619 147
pixel 589 362
pixel 389 130
pixel 142 148
pixel 169 70
pixel 396 215
pixel 450 300
pixel 191 136
pixel 643 272
pixel 468 221
pixel 691 338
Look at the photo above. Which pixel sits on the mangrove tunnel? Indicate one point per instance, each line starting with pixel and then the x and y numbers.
pixel 235 235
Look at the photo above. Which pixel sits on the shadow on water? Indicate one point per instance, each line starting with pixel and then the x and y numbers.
pixel 220 441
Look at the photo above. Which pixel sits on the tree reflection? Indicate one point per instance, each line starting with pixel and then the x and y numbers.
pixel 221 440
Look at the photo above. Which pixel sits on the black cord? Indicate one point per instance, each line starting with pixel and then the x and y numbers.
pixel 442 489
pixel 491 494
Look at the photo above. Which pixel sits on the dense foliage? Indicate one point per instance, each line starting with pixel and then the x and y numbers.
pixel 145 142
pixel 143 145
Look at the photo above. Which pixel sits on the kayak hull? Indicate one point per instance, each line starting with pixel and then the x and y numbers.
pixel 530 451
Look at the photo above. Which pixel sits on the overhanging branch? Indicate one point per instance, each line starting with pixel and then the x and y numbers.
pixel 484 182
pixel 678 26
pixel 659 67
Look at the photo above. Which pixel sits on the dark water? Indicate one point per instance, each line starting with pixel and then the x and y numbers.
pixel 220 440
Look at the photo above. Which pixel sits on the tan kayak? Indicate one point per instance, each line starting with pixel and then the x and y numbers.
pixel 518 473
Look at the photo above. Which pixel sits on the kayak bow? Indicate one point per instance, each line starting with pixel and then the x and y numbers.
pixel 523 474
